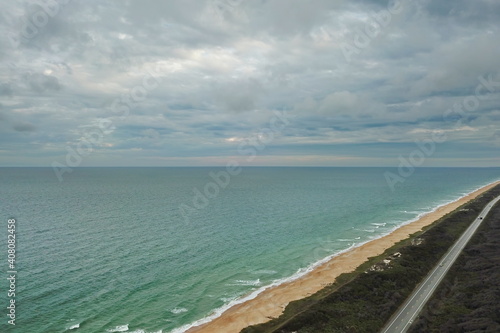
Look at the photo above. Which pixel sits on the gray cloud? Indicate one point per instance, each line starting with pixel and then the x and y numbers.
pixel 238 96
pixel 206 75
pixel 5 89
pixel 24 127
pixel 40 82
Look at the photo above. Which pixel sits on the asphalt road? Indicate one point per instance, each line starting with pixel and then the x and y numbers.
pixel 401 321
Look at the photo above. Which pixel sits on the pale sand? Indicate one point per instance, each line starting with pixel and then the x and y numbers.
pixel 271 302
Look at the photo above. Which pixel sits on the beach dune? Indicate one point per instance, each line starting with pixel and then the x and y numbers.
pixel 271 302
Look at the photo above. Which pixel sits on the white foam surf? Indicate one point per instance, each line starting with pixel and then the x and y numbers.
pixel 303 271
pixel 178 310
pixel 246 283
pixel 119 328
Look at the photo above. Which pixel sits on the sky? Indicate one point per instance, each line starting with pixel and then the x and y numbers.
pixel 259 82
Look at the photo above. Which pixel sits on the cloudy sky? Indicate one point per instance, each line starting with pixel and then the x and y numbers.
pixel 263 82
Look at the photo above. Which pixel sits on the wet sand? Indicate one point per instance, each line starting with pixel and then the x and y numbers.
pixel 271 302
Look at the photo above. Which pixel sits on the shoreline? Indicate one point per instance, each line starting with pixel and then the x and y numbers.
pixel 271 302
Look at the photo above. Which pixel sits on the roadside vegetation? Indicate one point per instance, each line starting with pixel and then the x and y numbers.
pixel 468 298
pixel 364 300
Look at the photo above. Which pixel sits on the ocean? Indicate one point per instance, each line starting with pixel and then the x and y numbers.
pixel 160 249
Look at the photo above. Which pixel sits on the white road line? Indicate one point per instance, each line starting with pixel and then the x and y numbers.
pixel 437 273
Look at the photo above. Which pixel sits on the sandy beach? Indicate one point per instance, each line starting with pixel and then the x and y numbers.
pixel 271 302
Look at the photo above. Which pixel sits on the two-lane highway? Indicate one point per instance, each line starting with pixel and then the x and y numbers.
pixel 403 318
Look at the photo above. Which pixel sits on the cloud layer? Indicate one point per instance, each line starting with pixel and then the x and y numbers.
pixel 188 82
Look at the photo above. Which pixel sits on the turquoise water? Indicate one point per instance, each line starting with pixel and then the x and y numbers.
pixel 109 250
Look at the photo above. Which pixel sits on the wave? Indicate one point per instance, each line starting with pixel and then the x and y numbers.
pixel 431 210
pixel 74 327
pixel 300 273
pixel 178 310
pixel 119 328
pixel 228 299
pixel 265 271
pixel 303 271
pixel 413 212
pixel 124 328
pixel 246 283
